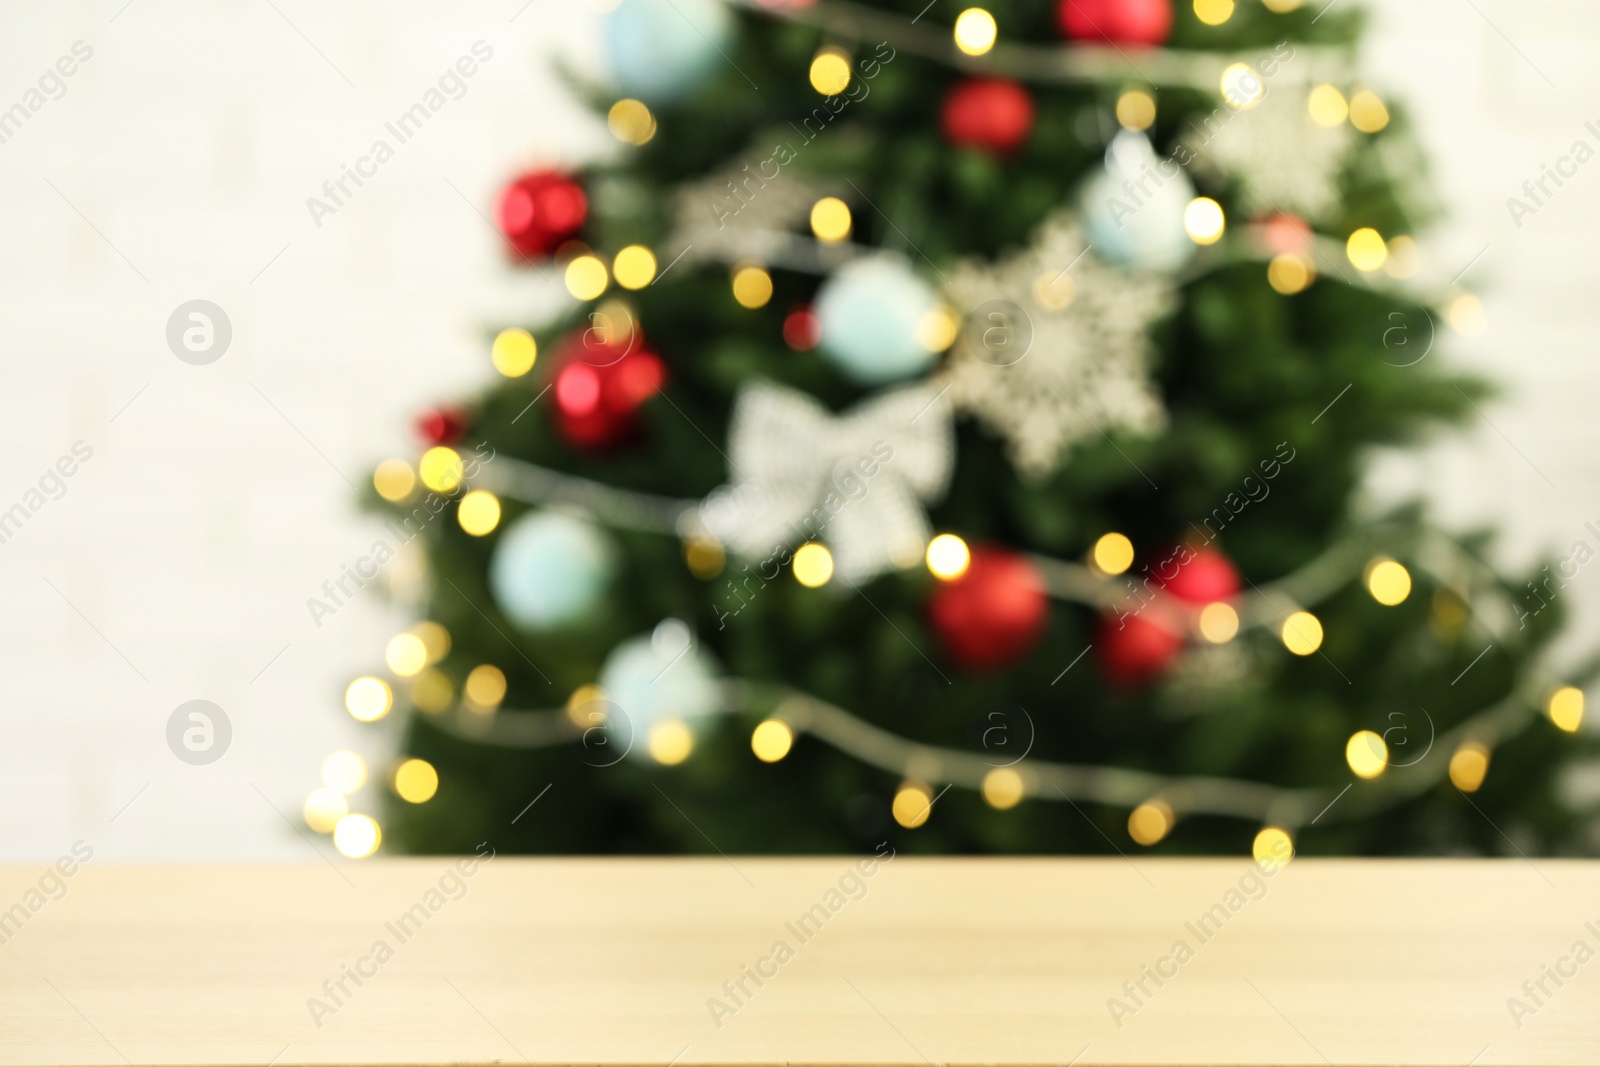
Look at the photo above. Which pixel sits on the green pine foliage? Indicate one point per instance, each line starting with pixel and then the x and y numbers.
pixel 1243 371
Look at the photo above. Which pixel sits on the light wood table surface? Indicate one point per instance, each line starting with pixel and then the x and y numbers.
pixel 962 962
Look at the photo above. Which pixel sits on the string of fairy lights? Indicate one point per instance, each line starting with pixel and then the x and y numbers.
pixel 472 707
pixel 1156 802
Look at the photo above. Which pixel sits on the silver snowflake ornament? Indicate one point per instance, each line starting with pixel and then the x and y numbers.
pixel 1055 346
pixel 1284 160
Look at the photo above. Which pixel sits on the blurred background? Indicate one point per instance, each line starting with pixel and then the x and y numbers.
pixel 175 165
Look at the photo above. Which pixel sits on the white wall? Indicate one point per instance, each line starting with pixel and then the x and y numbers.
pixel 189 543
pixel 1499 88
pixel 177 166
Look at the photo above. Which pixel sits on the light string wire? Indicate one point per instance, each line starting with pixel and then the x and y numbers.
pixel 1292 807
pixel 1066 62
pixel 846 732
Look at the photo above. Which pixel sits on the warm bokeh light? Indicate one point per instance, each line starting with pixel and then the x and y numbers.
pixel 441 469
pixel 631 122
pixel 394 480
pixel 1368 113
pixel 1272 848
pixel 357 836
pixel 634 267
pixel 1053 290
pixel 415 780
pixel 913 803
pixel 1366 249
pixel 431 691
pixel 975 31
pixel 324 808
pixel 705 557
pixel 1565 708
pixel 1136 110
pixel 435 639
pixel 368 699
pixel 1003 788
pixel 1366 753
pixel 1405 259
pixel 612 323
pixel 1289 274
pixel 1469 766
pixel 1213 12
pixel 1302 633
pixel 344 772
pixel 830 72
pixel 670 742
pixel 1113 553
pixel 405 654
pixel 752 286
pixel 830 219
pixel 1242 87
pixel 1203 220
pixel 1327 106
pixel 479 512
pixel 948 557
pixel 1466 316
pixel 586 277
pixel 1150 822
pixel 1388 581
pixel 513 352
pixel 485 687
pixel 938 328
pixel 1281 7
pixel 813 565
pixel 771 740
pixel 1218 623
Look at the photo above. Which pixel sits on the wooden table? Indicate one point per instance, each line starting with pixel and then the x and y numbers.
pixel 632 961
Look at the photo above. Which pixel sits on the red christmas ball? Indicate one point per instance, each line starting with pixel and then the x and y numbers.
pixel 1135 648
pixel 441 426
pixel 1287 233
pixel 992 615
pixel 541 210
pixel 600 385
pixel 801 329
pixel 1203 576
pixel 990 113
pixel 1133 22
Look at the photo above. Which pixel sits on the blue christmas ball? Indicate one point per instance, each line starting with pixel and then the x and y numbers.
pixel 660 49
pixel 549 569
pixel 870 311
pixel 1133 207
pixel 658 676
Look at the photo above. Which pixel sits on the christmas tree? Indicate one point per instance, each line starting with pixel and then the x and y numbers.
pixel 956 437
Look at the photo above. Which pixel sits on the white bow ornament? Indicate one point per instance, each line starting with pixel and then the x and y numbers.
pixel 857 481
